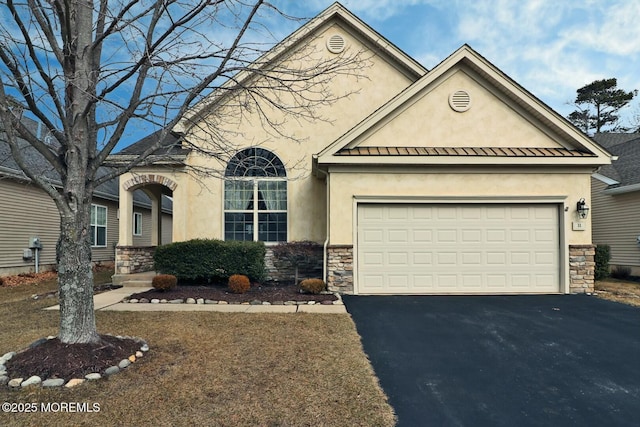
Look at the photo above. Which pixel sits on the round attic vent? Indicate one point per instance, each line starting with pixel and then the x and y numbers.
pixel 335 43
pixel 460 101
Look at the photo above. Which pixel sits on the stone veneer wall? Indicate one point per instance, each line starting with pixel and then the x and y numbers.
pixel 279 270
pixel 134 259
pixel 340 268
pixel 582 267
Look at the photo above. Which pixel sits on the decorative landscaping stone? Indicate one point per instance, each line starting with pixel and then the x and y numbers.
pixel 176 301
pixel 223 302
pixel 74 382
pixel 289 303
pixel 53 382
pixel 111 370
pixel 133 301
pixel 266 303
pixel 143 300
pixel 200 301
pixel 210 301
pixel 155 301
pixel 15 382
pixel 58 382
pixel 311 302
pixel 256 302
pixel 191 301
pixel 7 356
pixel 34 380
pixel 163 301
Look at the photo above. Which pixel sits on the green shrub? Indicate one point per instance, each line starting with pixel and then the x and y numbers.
pixel 621 272
pixel 239 283
pixel 164 282
pixel 208 259
pixel 602 258
pixel 313 286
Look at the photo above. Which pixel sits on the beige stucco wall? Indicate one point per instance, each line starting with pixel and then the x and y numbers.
pixel 198 202
pixel 481 186
pixel 429 121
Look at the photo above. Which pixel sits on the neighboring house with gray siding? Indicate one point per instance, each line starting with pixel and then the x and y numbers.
pixel 27 212
pixel 615 199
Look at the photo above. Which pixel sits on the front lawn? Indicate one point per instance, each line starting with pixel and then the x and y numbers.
pixel 624 291
pixel 207 368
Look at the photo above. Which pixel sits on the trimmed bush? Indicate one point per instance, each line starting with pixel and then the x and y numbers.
pixel 164 282
pixel 211 260
pixel 602 258
pixel 621 272
pixel 239 283
pixel 312 286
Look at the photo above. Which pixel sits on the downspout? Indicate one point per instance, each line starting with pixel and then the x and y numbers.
pixel 326 241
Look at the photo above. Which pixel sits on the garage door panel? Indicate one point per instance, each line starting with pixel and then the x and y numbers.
pixel 458 249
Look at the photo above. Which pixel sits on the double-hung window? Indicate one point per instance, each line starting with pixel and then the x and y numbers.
pixel 98 226
pixel 255 197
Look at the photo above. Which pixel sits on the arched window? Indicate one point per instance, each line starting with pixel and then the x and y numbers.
pixel 255 197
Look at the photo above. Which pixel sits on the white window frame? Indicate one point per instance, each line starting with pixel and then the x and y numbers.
pixel 256 211
pixel 137 224
pixel 94 226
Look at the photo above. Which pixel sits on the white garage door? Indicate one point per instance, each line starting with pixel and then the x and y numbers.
pixel 454 249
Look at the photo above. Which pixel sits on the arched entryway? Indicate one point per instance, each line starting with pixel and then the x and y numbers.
pixel 130 257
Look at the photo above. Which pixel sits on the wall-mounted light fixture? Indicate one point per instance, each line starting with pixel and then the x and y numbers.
pixel 582 208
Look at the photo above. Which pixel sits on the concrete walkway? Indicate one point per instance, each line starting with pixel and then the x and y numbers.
pixel 111 301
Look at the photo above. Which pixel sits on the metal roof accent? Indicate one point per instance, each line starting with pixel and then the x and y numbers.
pixel 464 151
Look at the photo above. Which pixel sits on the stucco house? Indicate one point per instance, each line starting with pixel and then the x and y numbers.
pixel 615 196
pixel 28 213
pixel 454 180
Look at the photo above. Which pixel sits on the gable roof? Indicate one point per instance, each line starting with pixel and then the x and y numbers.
pixel 573 146
pixel 625 170
pixel 336 13
pixel 10 169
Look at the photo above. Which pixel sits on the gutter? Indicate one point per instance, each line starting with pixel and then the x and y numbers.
pixel 326 241
pixel 622 190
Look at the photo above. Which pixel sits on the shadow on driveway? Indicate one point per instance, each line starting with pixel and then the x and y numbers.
pixel 550 360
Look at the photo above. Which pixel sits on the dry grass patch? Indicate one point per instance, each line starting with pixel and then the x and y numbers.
pixel 207 368
pixel 626 292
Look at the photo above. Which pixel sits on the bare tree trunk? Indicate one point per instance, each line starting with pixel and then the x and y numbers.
pixel 75 279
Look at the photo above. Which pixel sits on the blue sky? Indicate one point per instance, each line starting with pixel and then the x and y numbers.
pixel 551 47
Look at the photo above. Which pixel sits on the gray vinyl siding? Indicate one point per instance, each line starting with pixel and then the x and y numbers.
pixel 145 238
pixel 616 222
pixel 25 212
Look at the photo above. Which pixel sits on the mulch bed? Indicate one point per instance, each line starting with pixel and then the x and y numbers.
pixel 50 358
pixel 258 292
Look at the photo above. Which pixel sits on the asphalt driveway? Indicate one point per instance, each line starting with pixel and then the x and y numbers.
pixel 548 360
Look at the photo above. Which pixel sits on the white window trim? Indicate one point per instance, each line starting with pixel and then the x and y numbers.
pixel 137 231
pixel 106 226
